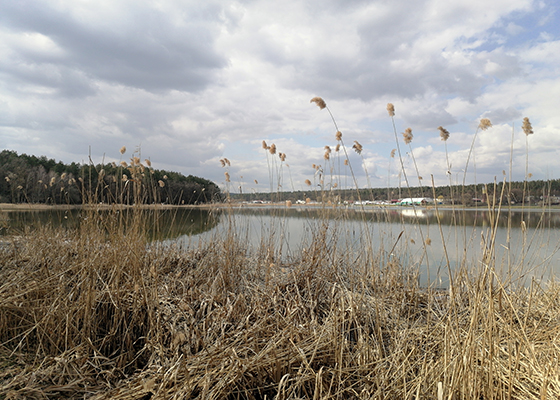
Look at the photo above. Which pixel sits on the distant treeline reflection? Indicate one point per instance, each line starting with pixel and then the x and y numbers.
pixel 461 217
pixel 162 224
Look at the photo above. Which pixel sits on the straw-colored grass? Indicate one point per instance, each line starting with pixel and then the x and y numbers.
pixel 98 312
pixel 101 314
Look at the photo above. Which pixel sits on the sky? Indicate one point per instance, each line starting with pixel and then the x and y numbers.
pixel 186 83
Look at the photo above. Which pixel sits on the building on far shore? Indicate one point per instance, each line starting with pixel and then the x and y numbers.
pixel 417 201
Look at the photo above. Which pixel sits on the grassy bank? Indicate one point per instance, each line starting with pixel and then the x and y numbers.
pixel 100 314
pixel 96 311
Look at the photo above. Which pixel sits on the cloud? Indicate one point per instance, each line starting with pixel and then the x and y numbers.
pixel 142 46
pixel 190 82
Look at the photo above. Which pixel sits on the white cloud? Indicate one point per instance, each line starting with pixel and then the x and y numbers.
pixel 191 82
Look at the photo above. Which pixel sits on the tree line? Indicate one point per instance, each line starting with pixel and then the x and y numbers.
pixel 31 179
pixel 526 192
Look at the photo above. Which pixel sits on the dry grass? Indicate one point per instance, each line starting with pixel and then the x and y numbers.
pixel 101 314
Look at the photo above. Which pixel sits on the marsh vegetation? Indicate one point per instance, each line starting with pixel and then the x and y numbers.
pixel 98 311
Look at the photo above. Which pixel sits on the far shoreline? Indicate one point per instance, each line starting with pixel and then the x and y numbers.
pixel 7 207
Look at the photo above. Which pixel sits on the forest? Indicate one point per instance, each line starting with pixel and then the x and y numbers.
pixel 32 179
pixel 531 192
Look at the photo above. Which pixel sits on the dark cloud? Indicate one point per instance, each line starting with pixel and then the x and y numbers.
pixel 141 49
pixel 429 119
pixel 503 115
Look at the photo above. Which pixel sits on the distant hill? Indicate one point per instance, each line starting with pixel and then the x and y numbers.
pixel 31 179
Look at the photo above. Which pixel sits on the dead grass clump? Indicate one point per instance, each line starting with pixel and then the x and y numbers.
pixel 104 318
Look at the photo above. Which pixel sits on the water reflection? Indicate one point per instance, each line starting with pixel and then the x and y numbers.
pixel 426 216
pixel 423 239
pixel 162 224
pixel 526 243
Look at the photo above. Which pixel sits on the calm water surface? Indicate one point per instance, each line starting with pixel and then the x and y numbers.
pixel 527 243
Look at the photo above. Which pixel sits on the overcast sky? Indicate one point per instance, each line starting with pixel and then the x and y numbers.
pixel 189 82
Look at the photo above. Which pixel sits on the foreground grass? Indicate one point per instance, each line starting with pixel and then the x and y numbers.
pixel 101 314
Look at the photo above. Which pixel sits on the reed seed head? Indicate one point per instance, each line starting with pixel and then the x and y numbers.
pixel 443 133
pixel 148 162
pixel 123 150
pixel 53 181
pixel 338 136
pixel 357 147
pixel 319 101
pixel 288 203
pixel 484 124
pixel 227 176
pixel 282 156
pixel 256 182
pixel 124 164
pixel 308 182
pixel 391 109
pixel 124 178
pixel 407 134
pixel 337 148
pixel 393 153
pixel 264 145
pixel 161 183
pixel 345 161
pixel 7 178
pixel 272 149
pixel 164 176
pixel 428 241
pixel 527 127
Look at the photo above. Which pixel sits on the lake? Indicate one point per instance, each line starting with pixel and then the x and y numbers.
pixel 423 239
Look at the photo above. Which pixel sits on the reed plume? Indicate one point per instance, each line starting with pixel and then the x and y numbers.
pixel 407 135
pixel 319 101
pixel 391 109
pixel 484 124
pixel 357 147
pixel 443 133
pixel 527 127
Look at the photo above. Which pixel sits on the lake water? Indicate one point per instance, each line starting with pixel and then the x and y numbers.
pixel 527 243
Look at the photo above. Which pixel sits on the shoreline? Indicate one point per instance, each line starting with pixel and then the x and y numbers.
pixel 7 207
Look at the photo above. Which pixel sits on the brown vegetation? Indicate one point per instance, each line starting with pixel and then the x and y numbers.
pixel 100 313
